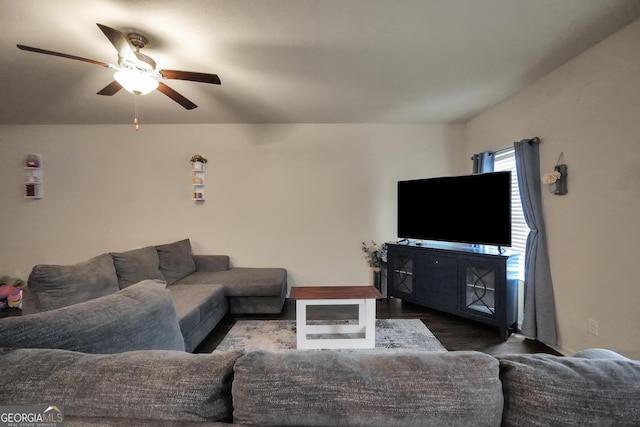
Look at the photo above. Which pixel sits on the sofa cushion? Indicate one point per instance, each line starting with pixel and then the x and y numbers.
pixel 211 262
pixel 239 281
pixel 306 388
pixel 54 286
pixel 599 353
pixel 137 385
pixel 543 390
pixel 136 265
pixel 119 422
pixel 176 260
pixel 140 317
pixel 194 303
pixel 260 305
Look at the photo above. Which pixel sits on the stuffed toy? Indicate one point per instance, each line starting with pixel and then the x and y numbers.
pixel 5 291
pixel 15 299
pixel 10 292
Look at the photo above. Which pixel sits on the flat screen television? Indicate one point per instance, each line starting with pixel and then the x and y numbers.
pixel 472 209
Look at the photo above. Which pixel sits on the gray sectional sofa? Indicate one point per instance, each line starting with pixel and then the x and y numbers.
pixel 119 360
pixel 204 287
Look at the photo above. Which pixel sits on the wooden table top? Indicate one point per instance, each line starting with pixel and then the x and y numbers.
pixel 334 292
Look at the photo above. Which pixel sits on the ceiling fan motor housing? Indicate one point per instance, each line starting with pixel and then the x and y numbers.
pixel 144 64
pixel 137 40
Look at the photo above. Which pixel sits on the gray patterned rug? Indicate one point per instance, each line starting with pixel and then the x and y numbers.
pixel 280 335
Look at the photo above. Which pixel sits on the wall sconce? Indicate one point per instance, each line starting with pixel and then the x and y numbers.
pixel 557 180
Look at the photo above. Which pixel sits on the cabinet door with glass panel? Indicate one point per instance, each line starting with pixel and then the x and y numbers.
pixel 481 283
pixel 401 269
pixel 487 292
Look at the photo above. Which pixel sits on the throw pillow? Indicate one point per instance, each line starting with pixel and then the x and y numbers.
pixel 137 265
pixel 168 387
pixel 544 390
pixel 140 317
pixel 176 260
pixel 54 286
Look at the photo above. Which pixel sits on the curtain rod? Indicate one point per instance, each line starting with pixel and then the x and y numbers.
pixel 531 141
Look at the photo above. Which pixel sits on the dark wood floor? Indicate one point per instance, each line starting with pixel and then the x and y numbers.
pixel 453 332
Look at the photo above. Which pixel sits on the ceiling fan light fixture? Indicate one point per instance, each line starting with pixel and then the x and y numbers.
pixel 136 82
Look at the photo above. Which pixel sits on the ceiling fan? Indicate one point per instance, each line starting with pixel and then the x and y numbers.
pixel 136 72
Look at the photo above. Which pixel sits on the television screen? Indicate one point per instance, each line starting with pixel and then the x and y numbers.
pixel 466 209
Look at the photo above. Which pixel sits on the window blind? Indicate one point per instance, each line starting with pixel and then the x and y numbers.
pixel 505 160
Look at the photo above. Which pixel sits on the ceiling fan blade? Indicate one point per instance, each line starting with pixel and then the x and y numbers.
pixel 176 96
pixel 62 55
pixel 191 76
pixel 120 42
pixel 110 89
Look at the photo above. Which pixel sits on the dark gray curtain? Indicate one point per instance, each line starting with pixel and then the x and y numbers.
pixel 483 162
pixel 539 307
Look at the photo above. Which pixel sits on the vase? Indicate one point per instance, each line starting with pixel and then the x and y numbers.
pixel 560 186
pixel 198 166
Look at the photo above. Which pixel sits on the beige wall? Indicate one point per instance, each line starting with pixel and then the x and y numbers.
pixel 298 196
pixel 589 109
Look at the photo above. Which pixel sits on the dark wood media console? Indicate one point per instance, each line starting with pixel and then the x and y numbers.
pixel 479 283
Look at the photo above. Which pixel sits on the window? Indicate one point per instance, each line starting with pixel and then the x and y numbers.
pixel 505 160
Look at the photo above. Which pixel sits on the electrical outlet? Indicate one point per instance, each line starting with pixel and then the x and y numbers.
pixel 593 326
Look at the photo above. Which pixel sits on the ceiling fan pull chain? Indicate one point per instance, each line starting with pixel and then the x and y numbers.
pixel 135 119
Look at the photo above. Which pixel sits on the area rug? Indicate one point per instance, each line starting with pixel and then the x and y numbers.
pixel 280 335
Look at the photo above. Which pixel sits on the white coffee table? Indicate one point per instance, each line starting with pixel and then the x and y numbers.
pixel 363 296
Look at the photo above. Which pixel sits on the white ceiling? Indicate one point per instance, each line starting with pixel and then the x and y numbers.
pixel 295 61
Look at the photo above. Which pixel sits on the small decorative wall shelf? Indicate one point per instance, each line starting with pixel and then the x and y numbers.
pixel 198 167
pixel 33 180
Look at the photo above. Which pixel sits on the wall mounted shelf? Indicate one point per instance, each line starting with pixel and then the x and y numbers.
pixel 33 185
pixel 198 181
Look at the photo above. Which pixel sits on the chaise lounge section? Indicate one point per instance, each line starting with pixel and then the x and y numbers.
pixel 204 288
